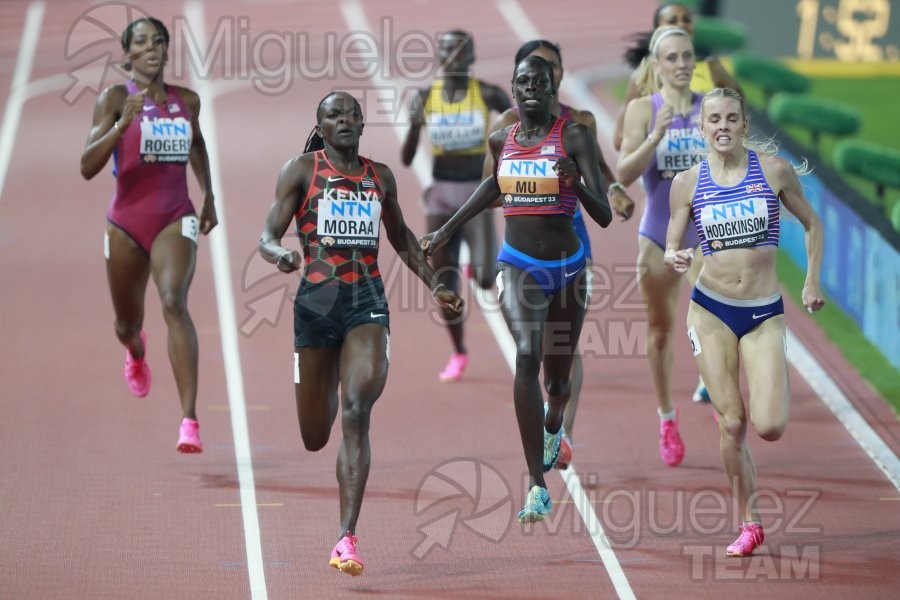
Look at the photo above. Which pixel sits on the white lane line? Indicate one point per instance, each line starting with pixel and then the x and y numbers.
pixel 825 387
pixel 228 325
pixel 519 22
pixel 578 88
pixel 19 86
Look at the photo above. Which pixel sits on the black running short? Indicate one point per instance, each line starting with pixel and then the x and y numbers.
pixel 325 312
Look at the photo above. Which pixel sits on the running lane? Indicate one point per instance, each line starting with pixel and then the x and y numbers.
pixel 96 501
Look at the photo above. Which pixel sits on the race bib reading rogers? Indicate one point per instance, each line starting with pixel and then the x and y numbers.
pixel 166 140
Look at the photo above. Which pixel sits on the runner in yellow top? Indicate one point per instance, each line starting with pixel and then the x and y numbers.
pixel 455 108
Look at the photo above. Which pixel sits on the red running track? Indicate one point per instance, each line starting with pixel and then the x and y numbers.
pixel 96 503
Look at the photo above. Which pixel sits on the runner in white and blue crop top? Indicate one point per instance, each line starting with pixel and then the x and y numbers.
pixel 736 316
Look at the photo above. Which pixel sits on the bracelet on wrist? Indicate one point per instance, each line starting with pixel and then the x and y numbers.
pixel 437 287
pixel 116 127
pixel 615 185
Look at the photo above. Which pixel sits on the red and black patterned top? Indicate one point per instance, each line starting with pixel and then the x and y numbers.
pixel 338 223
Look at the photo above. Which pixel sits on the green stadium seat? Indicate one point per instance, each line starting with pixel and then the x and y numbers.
pixel 713 35
pixel 770 74
pixel 818 115
pixel 876 163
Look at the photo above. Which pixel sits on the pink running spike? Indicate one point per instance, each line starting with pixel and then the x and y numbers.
pixel 671 448
pixel 189 437
pixel 751 538
pixel 455 368
pixel 344 556
pixel 137 372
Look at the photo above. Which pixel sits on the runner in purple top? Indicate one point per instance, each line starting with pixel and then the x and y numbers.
pixel 662 138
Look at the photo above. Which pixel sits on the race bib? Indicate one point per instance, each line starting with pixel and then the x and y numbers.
pixel 190 227
pixel 528 183
pixel 739 224
pixel 166 140
pixel 348 219
pixel 679 150
pixel 695 341
pixel 458 131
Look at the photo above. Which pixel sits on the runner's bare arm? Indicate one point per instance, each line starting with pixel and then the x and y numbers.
pixel 293 181
pixel 199 160
pixel 680 199
pixel 113 112
pixel 405 243
pixel 416 121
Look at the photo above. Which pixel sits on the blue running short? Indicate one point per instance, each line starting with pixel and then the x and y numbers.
pixel 550 275
pixel 741 316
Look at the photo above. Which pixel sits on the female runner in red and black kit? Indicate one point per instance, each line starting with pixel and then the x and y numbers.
pixel 152 131
pixel 341 336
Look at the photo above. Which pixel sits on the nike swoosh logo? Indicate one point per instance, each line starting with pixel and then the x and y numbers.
pixel 707 196
pixel 376 315
pixel 508 154
pixel 335 178
pixel 571 274
pixel 756 316
pixel 148 107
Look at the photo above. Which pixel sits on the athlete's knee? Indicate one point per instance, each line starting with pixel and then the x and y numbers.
pixel 356 414
pixel 771 429
pixel 772 433
pixel 558 387
pixel 733 427
pixel 314 439
pixel 528 362
pixel 659 335
pixel 174 305
pixel 125 330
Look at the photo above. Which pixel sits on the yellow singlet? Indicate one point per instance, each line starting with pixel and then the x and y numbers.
pixel 456 128
pixel 702 81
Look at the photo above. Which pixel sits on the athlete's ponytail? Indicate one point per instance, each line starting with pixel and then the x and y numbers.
pixel 639 49
pixel 314 141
